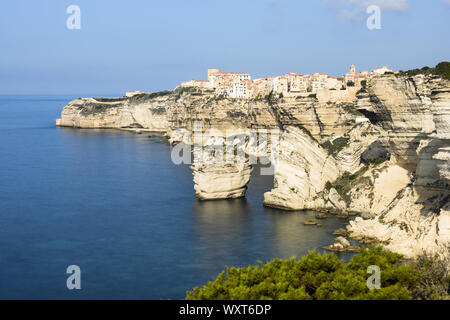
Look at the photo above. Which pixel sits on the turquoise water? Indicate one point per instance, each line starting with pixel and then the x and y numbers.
pixel 114 204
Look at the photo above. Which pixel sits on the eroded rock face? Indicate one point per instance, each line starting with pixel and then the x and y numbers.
pixel 392 171
pixel 415 114
pixel 416 221
pixel 167 111
pixel 170 112
pixel 221 167
pixel 306 167
pixel 214 182
pixel 302 170
pixel 360 147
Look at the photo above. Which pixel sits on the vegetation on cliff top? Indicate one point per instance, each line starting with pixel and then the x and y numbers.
pixel 317 277
pixel 442 69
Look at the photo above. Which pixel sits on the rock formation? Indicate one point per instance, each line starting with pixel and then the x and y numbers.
pixel 301 173
pixel 219 174
pixel 383 153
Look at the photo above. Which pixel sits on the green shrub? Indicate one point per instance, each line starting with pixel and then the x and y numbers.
pixel 269 97
pixel 155 94
pixel 434 280
pixel 317 276
pixel 350 84
pixel 103 99
pixel 312 95
pixel 337 145
pixel 347 181
pixel 442 69
pixel 180 90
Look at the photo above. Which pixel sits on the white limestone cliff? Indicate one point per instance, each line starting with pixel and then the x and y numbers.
pixel 403 202
pixel 302 170
pixel 392 169
pixel 221 168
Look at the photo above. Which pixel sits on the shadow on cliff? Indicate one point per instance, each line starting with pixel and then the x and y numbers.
pixel 433 192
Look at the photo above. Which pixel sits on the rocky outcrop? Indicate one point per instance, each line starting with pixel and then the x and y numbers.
pixel 392 170
pixel 221 181
pixel 302 170
pixel 416 221
pixel 415 114
pixel 166 111
pixel 175 113
pixel 221 167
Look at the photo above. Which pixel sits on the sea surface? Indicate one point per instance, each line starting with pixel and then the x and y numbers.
pixel 114 204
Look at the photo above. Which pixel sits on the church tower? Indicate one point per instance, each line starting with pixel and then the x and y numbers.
pixel 353 69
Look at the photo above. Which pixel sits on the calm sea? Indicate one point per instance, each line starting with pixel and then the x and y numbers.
pixel 114 204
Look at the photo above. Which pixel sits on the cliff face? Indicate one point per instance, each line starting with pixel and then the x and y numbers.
pixel 301 173
pixel 393 170
pixel 166 111
pixel 405 199
pixel 415 114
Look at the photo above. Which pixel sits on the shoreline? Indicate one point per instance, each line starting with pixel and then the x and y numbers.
pixel 328 161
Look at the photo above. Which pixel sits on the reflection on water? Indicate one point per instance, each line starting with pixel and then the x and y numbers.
pixel 229 230
pixel 241 231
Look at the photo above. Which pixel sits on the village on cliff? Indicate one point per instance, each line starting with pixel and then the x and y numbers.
pixel 241 85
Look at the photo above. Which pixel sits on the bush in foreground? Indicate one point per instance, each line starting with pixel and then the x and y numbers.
pixel 317 276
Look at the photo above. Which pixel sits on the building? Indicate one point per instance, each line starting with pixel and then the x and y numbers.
pixel 319 81
pixel 281 85
pixel 381 70
pixel 233 84
pixel 297 83
pixel 196 83
pixel 332 83
pixel 262 86
pixel 351 76
pixel 240 84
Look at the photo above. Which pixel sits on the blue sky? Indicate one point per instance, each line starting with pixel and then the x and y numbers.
pixel 154 45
